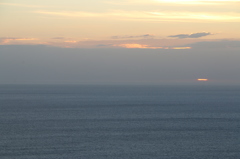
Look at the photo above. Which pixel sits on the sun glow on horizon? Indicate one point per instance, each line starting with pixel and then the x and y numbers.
pixel 141 46
pixel 202 79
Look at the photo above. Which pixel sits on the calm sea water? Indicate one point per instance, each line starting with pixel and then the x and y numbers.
pixel 119 122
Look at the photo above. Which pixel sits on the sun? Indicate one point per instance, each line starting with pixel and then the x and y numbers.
pixel 202 79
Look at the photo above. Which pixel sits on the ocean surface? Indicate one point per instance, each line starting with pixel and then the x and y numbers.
pixel 119 122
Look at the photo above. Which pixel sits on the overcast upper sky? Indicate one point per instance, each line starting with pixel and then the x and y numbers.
pixel 119 41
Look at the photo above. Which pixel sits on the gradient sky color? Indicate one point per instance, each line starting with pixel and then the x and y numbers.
pixel 114 23
pixel 120 42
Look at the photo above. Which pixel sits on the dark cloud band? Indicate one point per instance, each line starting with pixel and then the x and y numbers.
pixel 194 35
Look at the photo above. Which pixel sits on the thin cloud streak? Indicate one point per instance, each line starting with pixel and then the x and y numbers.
pixel 198 16
pixel 174 2
pixel 141 46
pixel 6 40
pixel 152 16
pixel 193 35
pixel 152 43
pixel 197 2
pixel 58 38
pixel 133 36
pixel 72 14
pixel 24 5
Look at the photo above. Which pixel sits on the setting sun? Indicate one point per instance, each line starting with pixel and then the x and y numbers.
pixel 202 79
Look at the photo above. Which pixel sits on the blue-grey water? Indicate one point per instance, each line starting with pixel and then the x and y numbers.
pixel 119 122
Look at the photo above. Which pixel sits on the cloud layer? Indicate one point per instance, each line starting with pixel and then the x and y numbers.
pixel 9 40
pixel 193 35
pixel 149 16
pixel 133 36
pixel 220 44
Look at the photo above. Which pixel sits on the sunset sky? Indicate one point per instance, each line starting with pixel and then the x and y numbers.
pixel 119 41
pixel 118 23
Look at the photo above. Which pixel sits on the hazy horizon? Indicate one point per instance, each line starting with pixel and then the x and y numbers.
pixel 120 42
pixel 40 64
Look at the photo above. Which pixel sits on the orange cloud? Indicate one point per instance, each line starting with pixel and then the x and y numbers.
pixel 6 40
pixel 133 46
pixel 141 46
pixel 179 48
pixel 70 41
pixel 25 39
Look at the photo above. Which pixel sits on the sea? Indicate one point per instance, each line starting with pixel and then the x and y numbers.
pixel 119 122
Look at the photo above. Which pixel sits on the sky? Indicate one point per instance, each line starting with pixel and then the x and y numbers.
pixel 144 41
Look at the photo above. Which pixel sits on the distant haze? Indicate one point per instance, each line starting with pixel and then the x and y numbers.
pixel 39 64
